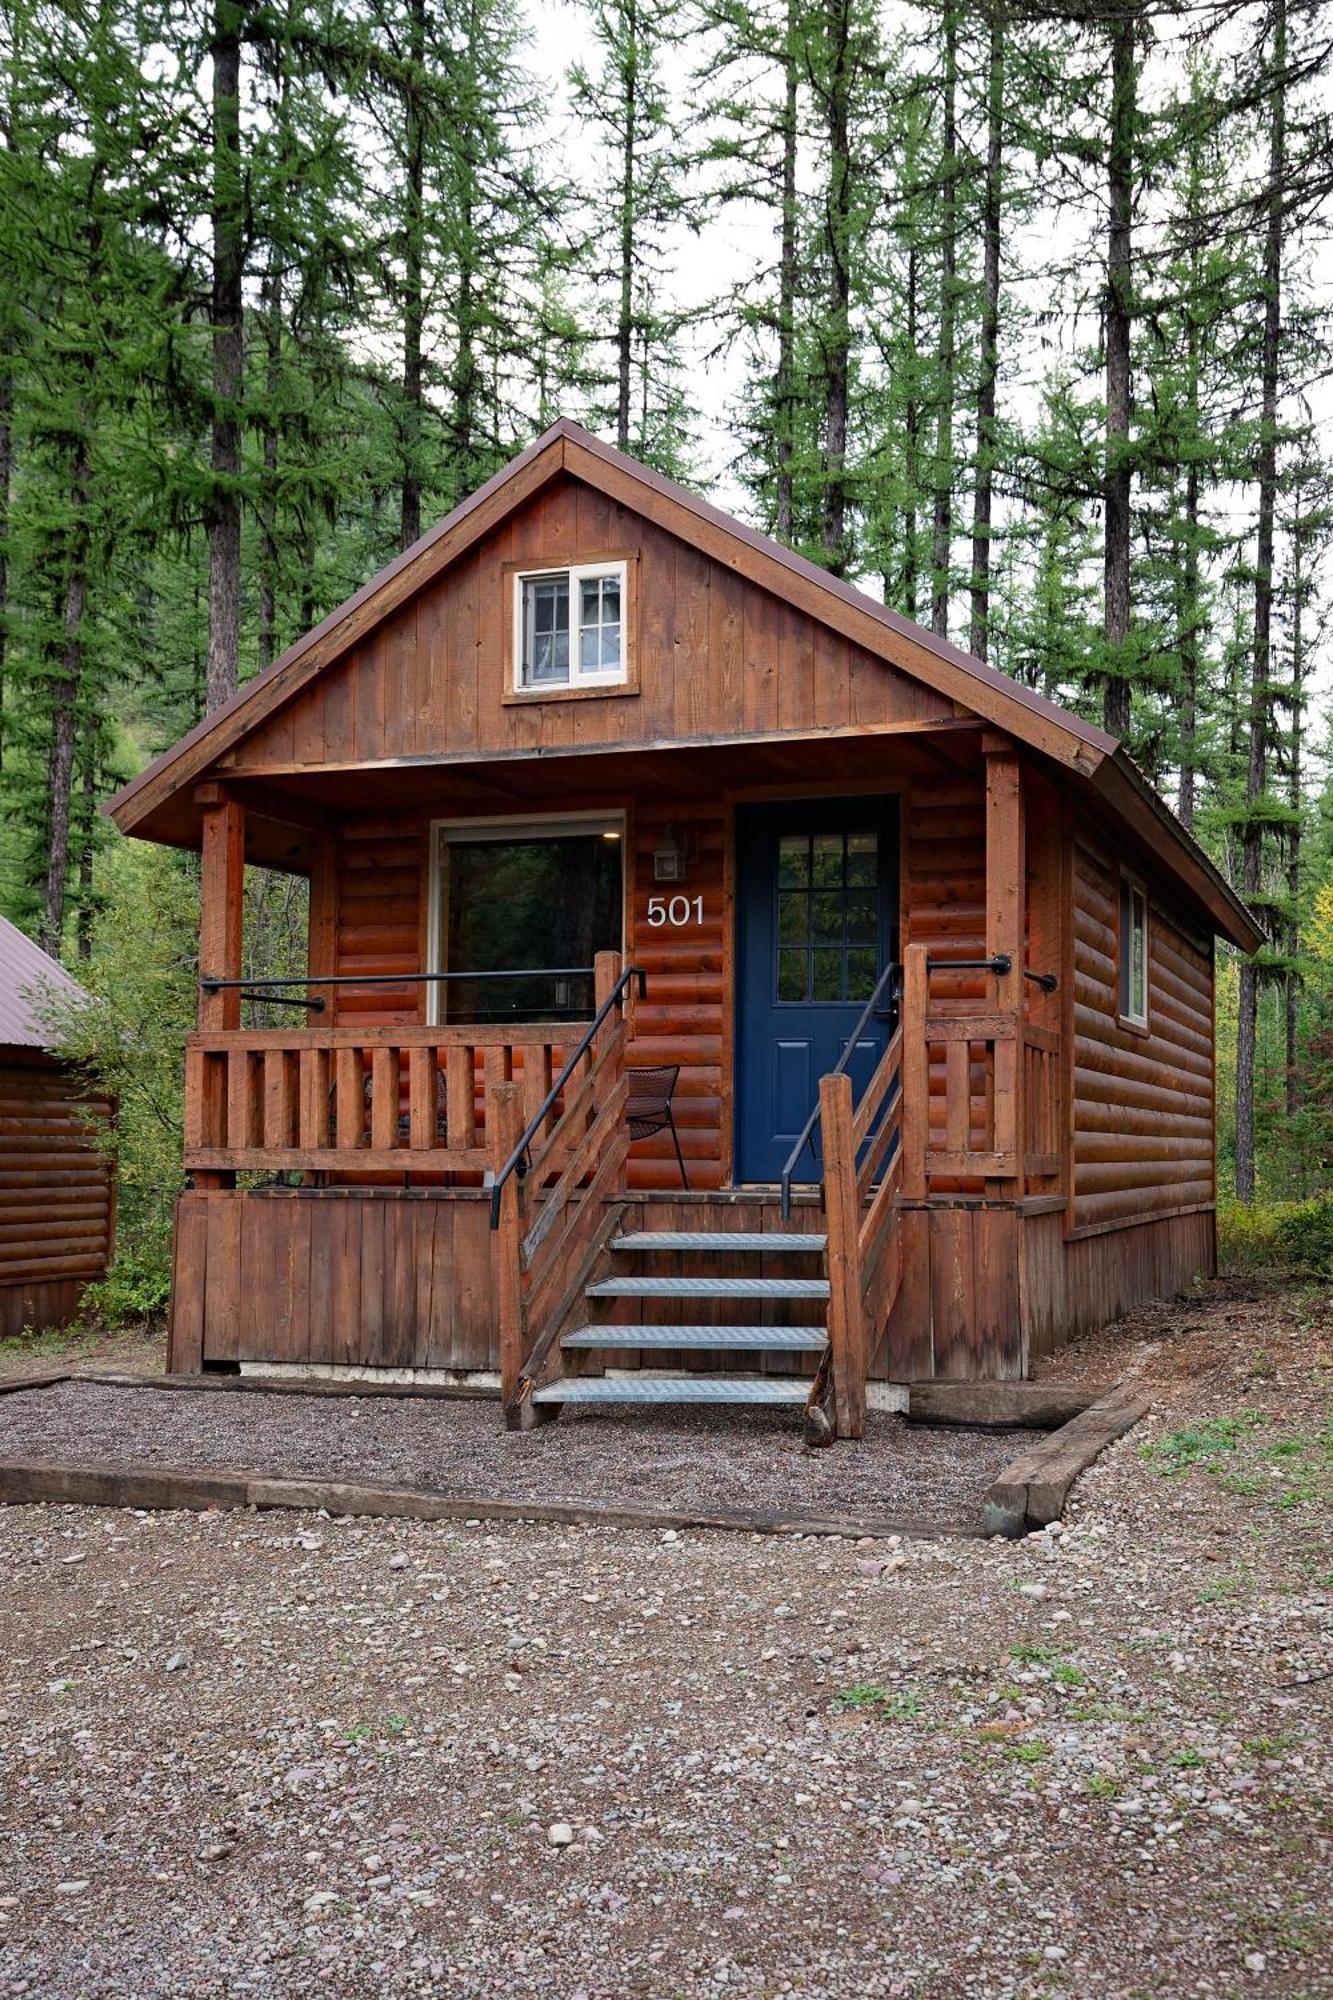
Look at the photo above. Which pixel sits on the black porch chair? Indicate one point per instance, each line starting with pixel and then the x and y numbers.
pixel 648 1108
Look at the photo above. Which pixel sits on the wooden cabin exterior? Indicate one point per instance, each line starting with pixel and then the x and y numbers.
pixel 713 809
pixel 57 1189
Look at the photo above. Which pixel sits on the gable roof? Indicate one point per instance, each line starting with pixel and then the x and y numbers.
pixel 24 969
pixel 566 448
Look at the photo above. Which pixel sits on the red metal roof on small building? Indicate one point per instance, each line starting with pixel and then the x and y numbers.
pixel 24 970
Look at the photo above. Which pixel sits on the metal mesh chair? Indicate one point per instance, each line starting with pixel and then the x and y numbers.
pixel 648 1107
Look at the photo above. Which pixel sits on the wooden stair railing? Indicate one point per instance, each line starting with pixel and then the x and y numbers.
pixel 554 1183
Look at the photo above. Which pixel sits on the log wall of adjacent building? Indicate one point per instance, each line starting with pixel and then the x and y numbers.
pixel 57 1193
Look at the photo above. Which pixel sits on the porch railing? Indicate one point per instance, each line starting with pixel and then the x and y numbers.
pixel 357 1099
pixel 558 1165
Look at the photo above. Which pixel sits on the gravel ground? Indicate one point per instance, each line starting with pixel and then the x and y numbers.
pixel 283 1755
pixel 672 1458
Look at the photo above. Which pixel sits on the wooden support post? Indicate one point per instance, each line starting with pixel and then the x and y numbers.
pixel 504 1128
pixel 221 905
pixel 846 1329
pixel 916 1073
pixel 322 924
pixel 1006 932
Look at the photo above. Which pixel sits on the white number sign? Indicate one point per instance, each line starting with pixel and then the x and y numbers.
pixel 675 910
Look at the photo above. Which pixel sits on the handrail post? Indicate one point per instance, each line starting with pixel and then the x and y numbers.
pixel 915 1072
pixel 606 971
pixel 846 1329
pixel 504 1107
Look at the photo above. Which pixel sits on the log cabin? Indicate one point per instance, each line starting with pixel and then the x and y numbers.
pixel 57 1187
pixel 719 988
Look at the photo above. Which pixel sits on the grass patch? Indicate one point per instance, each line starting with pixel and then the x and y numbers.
pixel 891 1705
pixel 1199 1444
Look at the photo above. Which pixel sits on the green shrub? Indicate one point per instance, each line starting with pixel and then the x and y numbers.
pixel 135 1288
pixel 1305 1232
pixel 1248 1236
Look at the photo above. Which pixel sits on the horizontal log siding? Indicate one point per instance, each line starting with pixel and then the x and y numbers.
pixel 682 1019
pixel 717 655
pixel 1142 1103
pixel 56 1195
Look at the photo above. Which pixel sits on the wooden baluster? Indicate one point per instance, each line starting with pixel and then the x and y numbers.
pixel 846 1329
pixel 313 1114
pixel 422 1088
pixel 241 1119
pixel 536 1083
pixel 196 1121
pixel 460 1083
pixel 277 1100
pixel 915 1074
pixel 504 1123
pixel 957 1097
pixel 384 1100
pixel 349 1099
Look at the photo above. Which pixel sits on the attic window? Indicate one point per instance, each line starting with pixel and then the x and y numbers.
pixel 570 628
pixel 1133 952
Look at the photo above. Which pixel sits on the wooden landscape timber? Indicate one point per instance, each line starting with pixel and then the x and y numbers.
pixel 1021 1149
pixel 1031 1491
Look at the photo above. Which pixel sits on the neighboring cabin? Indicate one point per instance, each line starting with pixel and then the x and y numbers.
pixel 869 886
pixel 57 1190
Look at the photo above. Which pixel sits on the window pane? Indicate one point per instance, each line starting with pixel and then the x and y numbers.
pixel 862 919
pixel 862 972
pixel 793 917
pixel 588 655
pixel 791 975
pixel 793 860
pixel 528 902
pixel 826 983
pixel 827 925
pixel 862 860
pixel 599 624
pixel 828 860
pixel 545 630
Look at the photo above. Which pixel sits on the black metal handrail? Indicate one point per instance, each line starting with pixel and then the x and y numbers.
pixel 515 1163
pixel 257 987
pixel 999 964
pixel 886 978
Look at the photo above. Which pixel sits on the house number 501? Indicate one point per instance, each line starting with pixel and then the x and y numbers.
pixel 676 910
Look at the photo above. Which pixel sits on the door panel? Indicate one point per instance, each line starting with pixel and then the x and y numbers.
pixel 817 893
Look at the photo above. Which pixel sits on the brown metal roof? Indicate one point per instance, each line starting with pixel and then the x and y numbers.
pixel 24 970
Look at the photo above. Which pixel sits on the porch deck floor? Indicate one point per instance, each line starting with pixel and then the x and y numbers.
pixel 743 1459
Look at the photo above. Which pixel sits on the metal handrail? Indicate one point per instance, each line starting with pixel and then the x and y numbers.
pixel 514 1164
pixel 257 986
pixel 999 964
pixel 886 978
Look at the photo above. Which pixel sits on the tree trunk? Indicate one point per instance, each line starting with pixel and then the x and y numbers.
pixel 1116 482
pixel 912 437
pixel 984 491
pixel 6 475
pixel 65 689
pixel 1189 633
pixel 414 296
pixel 224 507
pixel 87 843
pixel 942 525
pixel 1260 694
pixel 785 386
pixel 1292 977
pixel 837 338
pixel 268 493
pixel 628 218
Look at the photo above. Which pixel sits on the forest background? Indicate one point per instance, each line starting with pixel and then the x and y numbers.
pixel 1015 312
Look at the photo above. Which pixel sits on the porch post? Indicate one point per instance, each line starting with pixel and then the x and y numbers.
pixel 221 905
pixel 1006 891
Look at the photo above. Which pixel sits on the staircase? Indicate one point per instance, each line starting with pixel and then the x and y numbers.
pixel 744 1346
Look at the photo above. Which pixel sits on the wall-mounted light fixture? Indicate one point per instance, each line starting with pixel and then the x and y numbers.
pixel 672 855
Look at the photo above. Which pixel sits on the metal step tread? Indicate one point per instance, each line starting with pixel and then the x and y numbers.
pixel 716 1239
pixel 709 1288
pixel 674 1389
pixel 770 1339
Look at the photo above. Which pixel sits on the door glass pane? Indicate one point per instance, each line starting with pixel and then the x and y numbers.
pixel 862 972
pixel 826 981
pixel 527 902
pixel 862 919
pixel 827 925
pixel 793 917
pixel 862 860
pixel 791 975
pixel 793 860
pixel 827 861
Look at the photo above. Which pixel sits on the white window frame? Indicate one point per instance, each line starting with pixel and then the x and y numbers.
pixel 539 826
pixel 1132 898
pixel 577 677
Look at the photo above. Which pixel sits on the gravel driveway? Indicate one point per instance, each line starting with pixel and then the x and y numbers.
pixel 673 1458
pixel 286 1755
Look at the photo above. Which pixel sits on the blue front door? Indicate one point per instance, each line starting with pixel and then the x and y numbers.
pixel 817 913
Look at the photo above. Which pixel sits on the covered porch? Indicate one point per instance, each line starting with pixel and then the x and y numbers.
pixel 384 1185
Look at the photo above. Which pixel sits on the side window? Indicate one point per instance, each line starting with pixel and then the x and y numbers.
pixel 569 628
pixel 1133 952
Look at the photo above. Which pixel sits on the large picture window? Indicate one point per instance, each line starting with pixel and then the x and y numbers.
pixel 571 628
pixel 513 899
